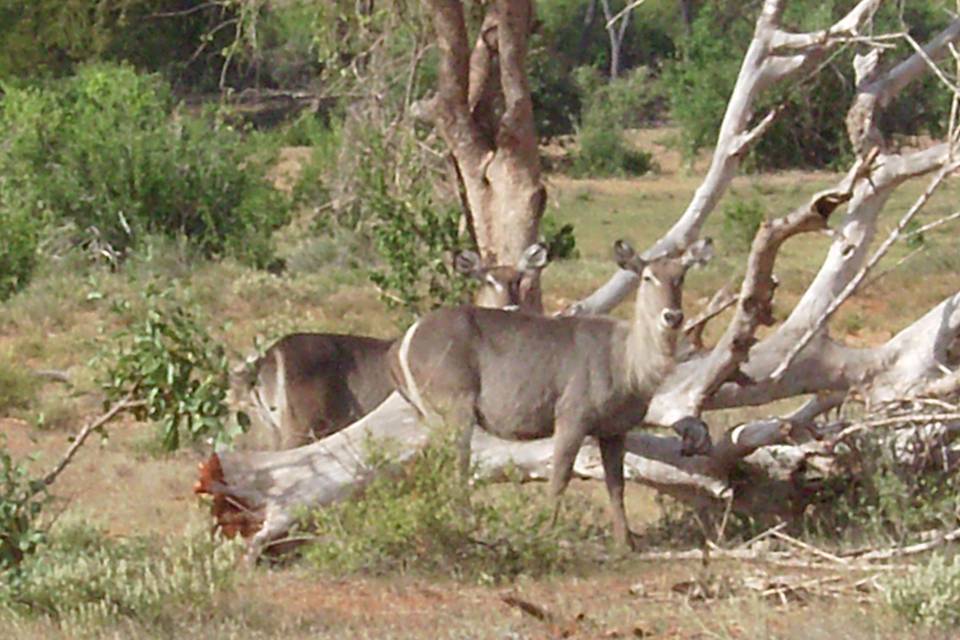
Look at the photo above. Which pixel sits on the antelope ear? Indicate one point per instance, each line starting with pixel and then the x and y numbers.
pixel 534 257
pixel 467 263
pixel 627 258
pixel 699 253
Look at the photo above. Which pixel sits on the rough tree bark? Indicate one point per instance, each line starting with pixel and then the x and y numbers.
pixel 484 113
pixel 739 370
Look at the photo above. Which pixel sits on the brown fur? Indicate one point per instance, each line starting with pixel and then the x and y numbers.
pixel 307 386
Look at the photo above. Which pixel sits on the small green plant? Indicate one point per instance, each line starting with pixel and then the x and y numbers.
pixel 424 518
pixel 19 234
pixel 169 363
pixel 915 239
pixel 22 500
pixel 741 219
pixel 84 580
pixel 560 239
pixel 929 594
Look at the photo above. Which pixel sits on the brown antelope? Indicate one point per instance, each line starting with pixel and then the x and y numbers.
pixel 309 385
pixel 521 376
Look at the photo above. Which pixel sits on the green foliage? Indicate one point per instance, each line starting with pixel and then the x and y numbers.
pixel 424 518
pixel 881 499
pixel 649 38
pixel 929 594
pixel 915 238
pixel 560 239
pixel 555 97
pixel 83 580
pixel 701 79
pixel 313 185
pixel 811 131
pixel 102 151
pixel 22 500
pixel 19 235
pixel 414 233
pixel 608 109
pixel 168 361
pixel 741 219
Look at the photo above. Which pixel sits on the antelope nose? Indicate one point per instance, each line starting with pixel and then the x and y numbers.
pixel 673 318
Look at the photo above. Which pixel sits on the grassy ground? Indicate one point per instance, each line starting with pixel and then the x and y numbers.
pixel 66 317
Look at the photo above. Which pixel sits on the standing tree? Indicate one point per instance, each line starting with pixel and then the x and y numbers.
pixel 484 112
pixel 796 358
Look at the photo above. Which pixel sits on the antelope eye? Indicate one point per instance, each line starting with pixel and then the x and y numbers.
pixel 647 278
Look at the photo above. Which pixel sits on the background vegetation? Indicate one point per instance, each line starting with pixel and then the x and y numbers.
pixel 133 153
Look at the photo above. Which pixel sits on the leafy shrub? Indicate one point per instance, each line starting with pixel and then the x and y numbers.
pixel 555 97
pixel 22 499
pixel 929 594
pixel 608 109
pixel 603 152
pixel 811 131
pixel 168 361
pixel 392 198
pixel 741 219
pixel 102 151
pixel 18 248
pixel 880 499
pixel 313 184
pixel 560 239
pixel 84 580
pixel 424 518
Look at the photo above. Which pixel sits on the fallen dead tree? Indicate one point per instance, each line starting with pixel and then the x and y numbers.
pixel 797 358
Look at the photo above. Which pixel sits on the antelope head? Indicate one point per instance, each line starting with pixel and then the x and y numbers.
pixel 660 294
pixel 504 286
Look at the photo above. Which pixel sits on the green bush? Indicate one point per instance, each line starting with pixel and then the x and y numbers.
pixel 811 131
pixel 608 109
pixel 741 219
pixel 104 151
pixel 169 362
pixel 22 500
pixel 392 199
pixel 424 518
pixel 84 580
pixel 560 239
pixel 929 594
pixel 18 247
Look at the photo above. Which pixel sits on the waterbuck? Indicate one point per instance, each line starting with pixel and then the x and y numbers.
pixel 522 376
pixel 309 385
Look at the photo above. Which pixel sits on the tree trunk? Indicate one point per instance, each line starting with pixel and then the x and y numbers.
pixel 485 114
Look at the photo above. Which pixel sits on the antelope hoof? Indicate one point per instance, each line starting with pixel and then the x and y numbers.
pixel 695 436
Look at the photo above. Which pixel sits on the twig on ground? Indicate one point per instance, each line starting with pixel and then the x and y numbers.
pixel 800 544
pixel 760 536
